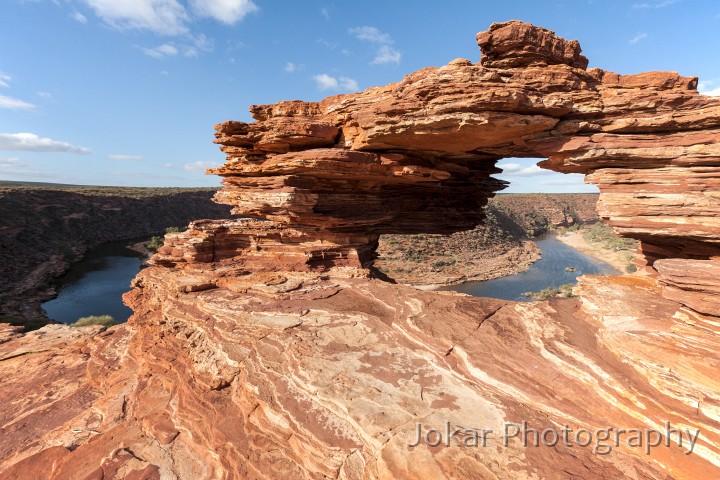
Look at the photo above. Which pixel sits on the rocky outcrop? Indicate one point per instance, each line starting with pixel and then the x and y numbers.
pixel 259 348
pixel 416 156
pixel 266 378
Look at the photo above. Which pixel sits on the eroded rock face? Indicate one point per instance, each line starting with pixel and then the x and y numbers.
pixel 417 156
pixel 330 378
pixel 260 349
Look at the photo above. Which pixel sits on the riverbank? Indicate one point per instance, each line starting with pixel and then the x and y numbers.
pixel 46 229
pixel 618 259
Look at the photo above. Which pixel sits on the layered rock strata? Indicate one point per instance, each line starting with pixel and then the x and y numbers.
pixel 330 379
pixel 258 349
pixel 417 156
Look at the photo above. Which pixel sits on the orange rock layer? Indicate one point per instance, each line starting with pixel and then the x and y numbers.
pixel 417 156
pixel 260 349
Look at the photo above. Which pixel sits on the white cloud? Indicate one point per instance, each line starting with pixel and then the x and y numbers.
pixel 199 43
pixel 515 169
pixel 198 166
pixel 161 51
pixel 5 80
pixel 370 34
pixel 661 4
pixel 327 82
pixel 349 84
pixel 164 17
pixel 6 162
pixel 13 167
pixel 225 11
pixel 15 103
pixel 44 94
pixel 290 67
pixel 33 143
pixel 79 17
pixel 386 54
pixel 325 13
pixel 640 36
pixel 125 157
pixel 715 92
pixel 709 87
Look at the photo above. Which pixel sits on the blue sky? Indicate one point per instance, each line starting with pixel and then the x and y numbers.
pixel 125 92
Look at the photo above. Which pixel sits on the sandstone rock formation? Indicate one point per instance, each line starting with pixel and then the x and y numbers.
pixel 260 349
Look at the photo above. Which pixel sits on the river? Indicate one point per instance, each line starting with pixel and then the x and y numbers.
pixel 549 271
pixel 94 286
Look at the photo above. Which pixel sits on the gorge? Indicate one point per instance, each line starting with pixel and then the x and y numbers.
pixel 271 347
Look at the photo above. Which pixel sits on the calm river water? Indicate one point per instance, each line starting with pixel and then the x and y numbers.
pixel 95 285
pixel 547 272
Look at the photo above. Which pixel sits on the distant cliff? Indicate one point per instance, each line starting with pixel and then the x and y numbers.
pixel 44 229
pixel 501 246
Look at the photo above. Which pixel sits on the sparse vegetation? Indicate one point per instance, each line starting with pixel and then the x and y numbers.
pixel 603 234
pixel 158 240
pixel 29 324
pixel 104 320
pixel 563 291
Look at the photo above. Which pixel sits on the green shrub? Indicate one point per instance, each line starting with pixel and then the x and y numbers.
pixel 632 268
pixel 563 291
pixel 603 234
pixel 155 243
pixel 104 320
pixel 158 240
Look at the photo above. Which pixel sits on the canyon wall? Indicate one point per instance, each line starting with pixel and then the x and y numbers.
pixel 264 347
pixel 44 229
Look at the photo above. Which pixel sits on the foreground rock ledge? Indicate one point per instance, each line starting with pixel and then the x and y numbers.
pixel 262 349
pixel 330 380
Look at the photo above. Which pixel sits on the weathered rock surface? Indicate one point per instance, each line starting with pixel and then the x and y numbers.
pixel 260 349
pixel 330 378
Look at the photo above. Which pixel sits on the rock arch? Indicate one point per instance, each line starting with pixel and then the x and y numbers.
pixel 418 156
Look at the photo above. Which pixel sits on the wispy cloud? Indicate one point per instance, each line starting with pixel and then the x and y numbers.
pixel 290 67
pixel 384 53
pixel 709 87
pixel 225 11
pixel 47 95
pixel 131 158
pixel 196 45
pixel 515 169
pixel 5 80
pixel 13 167
pixel 164 17
pixel 79 17
pixel 637 38
pixel 657 4
pixel 325 13
pixel 198 166
pixel 161 51
pixel 327 82
pixel 14 103
pixel 34 143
